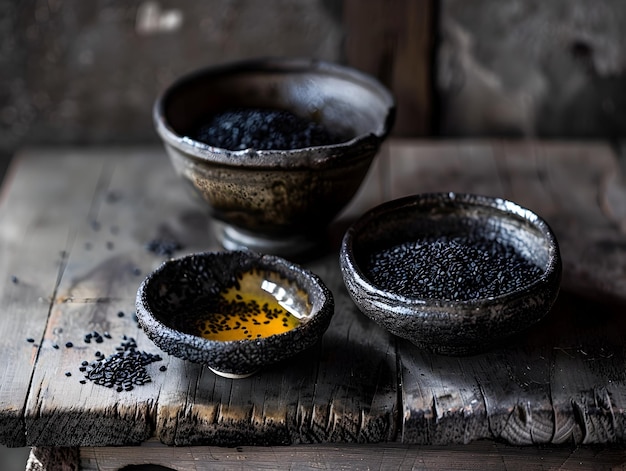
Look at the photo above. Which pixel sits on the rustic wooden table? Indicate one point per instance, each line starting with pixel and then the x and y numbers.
pixel 74 224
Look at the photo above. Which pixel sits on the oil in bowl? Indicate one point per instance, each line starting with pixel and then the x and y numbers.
pixel 235 312
pixel 259 305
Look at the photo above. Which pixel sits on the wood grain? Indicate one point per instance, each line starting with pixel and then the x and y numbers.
pixel 482 455
pixel 550 388
pixel 395 43
pixel 73 229
pixel 36 230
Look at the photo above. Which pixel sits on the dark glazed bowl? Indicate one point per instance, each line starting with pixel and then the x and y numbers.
pixel 170 299
pixel 276 201
pixel 466 322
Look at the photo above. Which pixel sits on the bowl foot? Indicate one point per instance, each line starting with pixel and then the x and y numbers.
pixel 233 238
pixel 232 375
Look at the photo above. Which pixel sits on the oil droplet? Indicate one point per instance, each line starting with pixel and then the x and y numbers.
pixel 259 305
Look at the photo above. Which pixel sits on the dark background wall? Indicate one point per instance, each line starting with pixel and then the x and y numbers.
pixel 552 69
pixel 87 72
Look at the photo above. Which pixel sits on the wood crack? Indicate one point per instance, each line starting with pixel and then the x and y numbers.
pixel 51 303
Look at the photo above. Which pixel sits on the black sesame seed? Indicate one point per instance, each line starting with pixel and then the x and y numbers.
pixel 120 314
pixel 30 340
pixel 163 246
pixel 55 346
pixel 67 373
pixel 163 368
pixel 261 129
pixel 69 345
pixel 82 381
pixel 454 268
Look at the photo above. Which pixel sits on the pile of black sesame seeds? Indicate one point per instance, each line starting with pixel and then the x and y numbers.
pixel 458 268
pixel 262 129
pixel 122 370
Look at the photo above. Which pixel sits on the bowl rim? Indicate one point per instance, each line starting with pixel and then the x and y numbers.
pixel 277 158
pixel 148 319
pixel 351 269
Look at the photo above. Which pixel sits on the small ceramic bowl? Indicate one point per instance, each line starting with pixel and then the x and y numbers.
pixel 276 201
pixel 453 273
pixel 235 312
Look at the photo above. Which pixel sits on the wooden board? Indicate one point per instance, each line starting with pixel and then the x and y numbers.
pixel 564 381
pixel 36 225
pixel 482 455
pixel 73 229
pixel 330 393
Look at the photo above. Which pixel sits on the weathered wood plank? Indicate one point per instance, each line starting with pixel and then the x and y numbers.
pixel 465 166
pixel 36 218
pixel 484 455
pixel 343 390
pixel 561 382
pixel 592 238
pixel 138 198
pixel 316 397
pixel 542 390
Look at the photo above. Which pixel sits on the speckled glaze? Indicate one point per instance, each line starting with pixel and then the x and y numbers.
pixel 273 200
pixel 168 297
pixel 452 327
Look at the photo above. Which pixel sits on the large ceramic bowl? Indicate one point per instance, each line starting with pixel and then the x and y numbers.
pixel 453 273
pixel 235 312
pixel 276 201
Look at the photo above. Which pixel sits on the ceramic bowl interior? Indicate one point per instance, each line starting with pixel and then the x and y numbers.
pixel 452 273
pixel 235 312
pixel 275 201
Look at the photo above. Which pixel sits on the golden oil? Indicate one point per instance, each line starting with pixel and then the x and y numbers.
pixel 259 305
